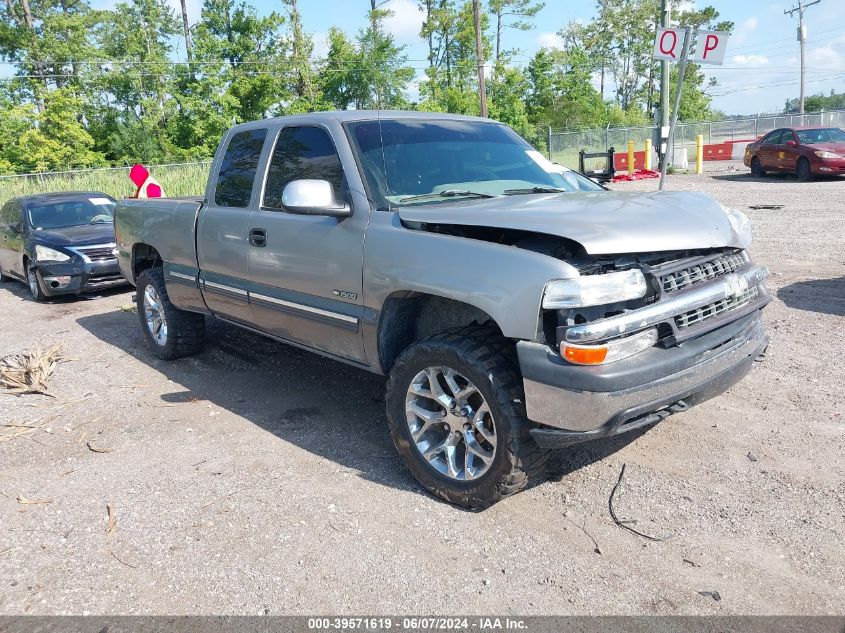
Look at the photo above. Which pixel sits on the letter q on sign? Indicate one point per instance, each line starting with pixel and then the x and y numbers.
pixel 669 44
pixel 710 47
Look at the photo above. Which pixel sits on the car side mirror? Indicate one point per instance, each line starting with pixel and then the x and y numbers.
pixel 313 197
pixel 15 228
pixel 791 143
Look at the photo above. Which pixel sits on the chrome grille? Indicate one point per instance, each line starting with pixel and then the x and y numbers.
pixel 98 253
pixel 716 308
pixel 703 271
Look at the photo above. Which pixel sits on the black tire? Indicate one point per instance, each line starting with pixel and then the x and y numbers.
pixel 757 168
pixel 802 170
pixel 487 359
pixel 185 334
pixel 34 284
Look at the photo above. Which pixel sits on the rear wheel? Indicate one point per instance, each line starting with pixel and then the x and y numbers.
pixel 757 168
pixel 802 170
pixel 171 332
pixel 456 415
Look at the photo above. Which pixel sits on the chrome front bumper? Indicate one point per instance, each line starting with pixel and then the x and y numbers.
pixel 597 399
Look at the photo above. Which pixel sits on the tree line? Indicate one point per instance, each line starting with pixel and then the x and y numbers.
pixel 93 87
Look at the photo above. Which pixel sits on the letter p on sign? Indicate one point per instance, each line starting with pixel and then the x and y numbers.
pixel 710 47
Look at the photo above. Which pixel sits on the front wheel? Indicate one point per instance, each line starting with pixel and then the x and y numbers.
pixel 171 332
pixel 757 168
pixel 802 170
pixel 456 415
pixel 34 285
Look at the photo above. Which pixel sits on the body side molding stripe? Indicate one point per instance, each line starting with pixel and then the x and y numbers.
pixel 305 308
pixel 225 288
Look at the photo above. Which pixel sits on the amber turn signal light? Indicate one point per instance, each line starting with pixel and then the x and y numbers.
pixel 585 355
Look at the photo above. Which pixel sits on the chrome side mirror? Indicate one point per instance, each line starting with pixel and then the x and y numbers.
pixel 313 197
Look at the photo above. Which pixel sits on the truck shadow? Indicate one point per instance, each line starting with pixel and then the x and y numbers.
pixel 826 296
pixel 323 406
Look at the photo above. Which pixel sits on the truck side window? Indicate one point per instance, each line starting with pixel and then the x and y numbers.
pixel 304 152
pixel 237 170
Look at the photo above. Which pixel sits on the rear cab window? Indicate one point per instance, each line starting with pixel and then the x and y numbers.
pixel 236 176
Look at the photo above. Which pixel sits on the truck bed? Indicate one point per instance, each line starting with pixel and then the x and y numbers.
pixel 167 223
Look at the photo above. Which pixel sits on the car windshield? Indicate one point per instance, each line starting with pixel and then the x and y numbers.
pixel 67 212
pixel 821 135
pixel 423 162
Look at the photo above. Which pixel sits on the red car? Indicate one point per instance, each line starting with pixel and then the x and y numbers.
pixel 804 151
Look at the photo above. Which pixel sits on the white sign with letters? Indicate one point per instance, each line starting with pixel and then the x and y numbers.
pixel 710 47
pixel 669 44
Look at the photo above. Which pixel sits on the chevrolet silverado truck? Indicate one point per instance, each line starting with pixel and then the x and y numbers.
pixel 514 306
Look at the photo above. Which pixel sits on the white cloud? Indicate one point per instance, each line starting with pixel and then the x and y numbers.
pixel 752 61
pixel 547 39
pixel 828 56
pixel 321 44
pixel 744 30
pixel 406 21
pixel 193 8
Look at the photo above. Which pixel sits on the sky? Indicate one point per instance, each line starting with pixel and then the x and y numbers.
pixel 761 68
pixel 760 72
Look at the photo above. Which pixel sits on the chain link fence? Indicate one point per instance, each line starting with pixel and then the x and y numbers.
pixel 564 146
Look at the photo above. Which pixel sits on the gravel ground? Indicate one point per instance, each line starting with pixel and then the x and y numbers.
pixel 257 478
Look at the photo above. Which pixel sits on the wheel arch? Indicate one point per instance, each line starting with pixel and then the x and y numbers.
pixel 410 316
pixel 144 256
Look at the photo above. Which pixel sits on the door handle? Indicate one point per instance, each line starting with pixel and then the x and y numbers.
pixel 258 237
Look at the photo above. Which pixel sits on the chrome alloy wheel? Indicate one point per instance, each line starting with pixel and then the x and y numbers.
pixel 32 280
pixel 154 316
pixel 450 423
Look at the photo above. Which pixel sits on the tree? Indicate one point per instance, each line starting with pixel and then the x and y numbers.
pixel 56 139
pixel 370 72
pixel 523 11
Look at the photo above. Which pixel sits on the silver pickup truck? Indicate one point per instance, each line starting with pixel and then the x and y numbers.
pixel 514 305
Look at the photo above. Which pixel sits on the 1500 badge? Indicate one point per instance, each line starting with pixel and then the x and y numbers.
pixel 345 294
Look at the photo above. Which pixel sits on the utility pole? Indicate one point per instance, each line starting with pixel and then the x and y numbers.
pixel 188 48
pixel 479 54
pixel 802 37
pixel 663 151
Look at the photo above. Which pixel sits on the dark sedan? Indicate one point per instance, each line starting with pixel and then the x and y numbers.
pixel 806 152
pixel 59 243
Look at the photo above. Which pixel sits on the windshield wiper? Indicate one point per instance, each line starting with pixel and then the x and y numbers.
pixel 534 189
pixel 448 193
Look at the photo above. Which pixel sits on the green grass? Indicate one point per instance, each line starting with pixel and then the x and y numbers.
pixel 176 180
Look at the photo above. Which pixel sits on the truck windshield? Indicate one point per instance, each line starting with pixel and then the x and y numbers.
pixel 63 213
pixel 404 160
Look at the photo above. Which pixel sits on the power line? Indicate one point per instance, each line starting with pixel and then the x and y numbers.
pixel 772 85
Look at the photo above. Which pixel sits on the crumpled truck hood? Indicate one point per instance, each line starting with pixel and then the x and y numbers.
pixel 603 222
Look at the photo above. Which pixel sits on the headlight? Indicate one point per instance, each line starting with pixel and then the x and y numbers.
pixel 740 224
pixel 594 290
pixel 609 352
pixel 827 155
pixel 44 254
